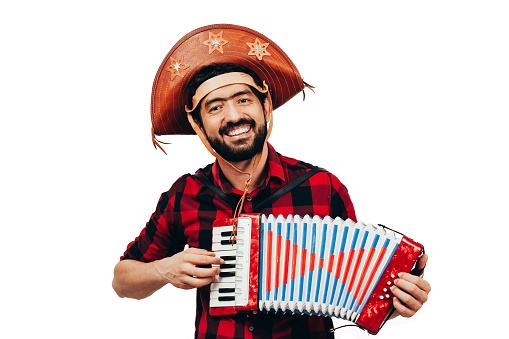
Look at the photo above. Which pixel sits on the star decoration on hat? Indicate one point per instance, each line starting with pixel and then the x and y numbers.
pixel 177 67
pixel 215 42
pixel 258 49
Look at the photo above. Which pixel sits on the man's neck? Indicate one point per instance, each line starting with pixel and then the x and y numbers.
pixel 238 180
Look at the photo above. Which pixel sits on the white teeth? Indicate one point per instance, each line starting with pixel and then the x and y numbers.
pixel 238 131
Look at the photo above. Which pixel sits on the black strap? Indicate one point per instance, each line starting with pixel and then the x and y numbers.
pixel 215 189
pixel 269 200
pixel 416 271
pixel 285 189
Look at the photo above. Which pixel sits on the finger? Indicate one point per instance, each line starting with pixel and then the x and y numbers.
pixel 200 251
pixel 403 310
pixel 413 289
pixel 405 280
pixel 184 282
pixel 196 282
pixel 202 272
pixel 199 259
pixel 185 286
pixel 406 299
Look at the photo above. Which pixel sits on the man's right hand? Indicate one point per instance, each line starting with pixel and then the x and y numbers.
pixel 182 271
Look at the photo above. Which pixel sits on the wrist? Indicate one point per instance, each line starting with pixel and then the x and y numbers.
pixel 158 272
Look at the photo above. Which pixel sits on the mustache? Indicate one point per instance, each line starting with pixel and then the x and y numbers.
pixel 230 125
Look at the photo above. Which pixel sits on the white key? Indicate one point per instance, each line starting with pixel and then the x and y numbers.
pixel 222 294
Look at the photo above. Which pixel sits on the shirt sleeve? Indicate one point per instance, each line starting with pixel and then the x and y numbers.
pixel 161 237
pixel 341 204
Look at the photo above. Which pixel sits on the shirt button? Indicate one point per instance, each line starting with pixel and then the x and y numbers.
pixel 251 328
pixel 249 198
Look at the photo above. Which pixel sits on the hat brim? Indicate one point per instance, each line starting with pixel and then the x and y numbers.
pixel 221 43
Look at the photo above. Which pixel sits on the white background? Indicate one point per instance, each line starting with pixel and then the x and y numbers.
pixel 409 113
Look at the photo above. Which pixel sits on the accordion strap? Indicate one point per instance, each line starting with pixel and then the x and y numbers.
pixel 269 200
pixel 215 189
pixel 287 188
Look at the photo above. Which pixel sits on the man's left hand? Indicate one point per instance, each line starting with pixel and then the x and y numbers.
pixel 410 291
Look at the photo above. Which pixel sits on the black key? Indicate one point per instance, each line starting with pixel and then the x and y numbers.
pixel 227 274
pixel 227 266
pixel 228 257
pixel 226 234
pixel 204 266
pixel 226 298
pixel 228 242
pixel 226 290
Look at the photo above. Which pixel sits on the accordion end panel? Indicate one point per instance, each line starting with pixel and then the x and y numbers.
pixel 254 249
pixel 235 289
pixel 380 302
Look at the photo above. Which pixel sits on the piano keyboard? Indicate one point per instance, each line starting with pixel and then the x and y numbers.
pixel 226 289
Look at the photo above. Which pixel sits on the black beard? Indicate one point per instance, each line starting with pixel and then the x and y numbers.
pixel 234 154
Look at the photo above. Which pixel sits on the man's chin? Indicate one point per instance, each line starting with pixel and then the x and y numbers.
pixel 235 151
pixel 244 143
pixel 239 148
pixel 237 154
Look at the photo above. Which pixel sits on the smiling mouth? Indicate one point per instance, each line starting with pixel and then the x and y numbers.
pixel 238 131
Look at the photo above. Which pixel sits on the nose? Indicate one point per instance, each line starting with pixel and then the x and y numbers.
pixel 232 112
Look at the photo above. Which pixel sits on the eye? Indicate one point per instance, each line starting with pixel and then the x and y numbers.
pixel 215 109
pixel 244 100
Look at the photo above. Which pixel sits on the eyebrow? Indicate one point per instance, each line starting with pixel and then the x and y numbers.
pixel 233 96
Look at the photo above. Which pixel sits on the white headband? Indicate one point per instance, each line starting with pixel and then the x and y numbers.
pixel 220 81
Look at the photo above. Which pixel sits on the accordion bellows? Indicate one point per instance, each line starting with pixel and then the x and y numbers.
pixel 310 265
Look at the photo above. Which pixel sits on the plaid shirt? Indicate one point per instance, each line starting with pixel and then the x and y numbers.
pixel 185 214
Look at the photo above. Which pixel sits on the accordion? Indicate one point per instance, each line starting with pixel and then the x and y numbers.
pixel 309 265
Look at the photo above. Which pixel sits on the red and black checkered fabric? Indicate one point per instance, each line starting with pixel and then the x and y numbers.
pixel 185 214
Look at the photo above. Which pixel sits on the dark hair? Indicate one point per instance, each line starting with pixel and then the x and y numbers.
pixel 210 71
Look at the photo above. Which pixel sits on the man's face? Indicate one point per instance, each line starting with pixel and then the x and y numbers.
pixel 234 122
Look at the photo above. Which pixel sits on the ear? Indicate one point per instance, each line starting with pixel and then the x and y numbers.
pixel 195 124
pixel 267 105
pixel 200 126
pixel 199 122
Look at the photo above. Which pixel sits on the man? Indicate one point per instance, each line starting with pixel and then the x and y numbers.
pixel 228 79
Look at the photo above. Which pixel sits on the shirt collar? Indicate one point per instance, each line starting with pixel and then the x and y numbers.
pixel 275 170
